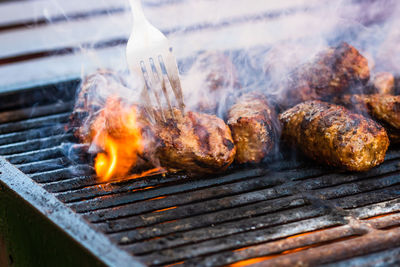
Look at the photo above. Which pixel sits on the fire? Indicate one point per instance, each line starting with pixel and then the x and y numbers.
pixel 250 261
pixel 118 133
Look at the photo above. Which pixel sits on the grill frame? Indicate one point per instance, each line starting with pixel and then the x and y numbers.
pixel 56 228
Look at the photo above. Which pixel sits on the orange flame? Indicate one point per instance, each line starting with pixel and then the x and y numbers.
pixel 118 134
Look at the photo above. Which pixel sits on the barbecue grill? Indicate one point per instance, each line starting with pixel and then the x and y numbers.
pixel 285 212
pixel 280 213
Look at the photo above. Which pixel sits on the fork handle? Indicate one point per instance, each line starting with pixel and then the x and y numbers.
pixel 137 11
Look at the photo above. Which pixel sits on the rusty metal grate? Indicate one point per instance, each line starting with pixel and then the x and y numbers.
pixel 280 213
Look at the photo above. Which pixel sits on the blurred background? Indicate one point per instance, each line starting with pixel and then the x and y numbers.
pixel 44 41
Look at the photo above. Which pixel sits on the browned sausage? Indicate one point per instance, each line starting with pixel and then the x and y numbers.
pixel 333 135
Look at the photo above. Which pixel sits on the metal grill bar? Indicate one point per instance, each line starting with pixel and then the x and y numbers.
pixel 373 241
pixel 35 144
pixel 124 198
pixel 251 218
pixel 31 134
pixel 376 209
pixel 44 165
pixel 185 205
pixel 28 113
pixel 50 120
pixel 275 248
pixel 389 257
pixel 68 183
pixel 242 182
pixel 240 240
pixel 56 175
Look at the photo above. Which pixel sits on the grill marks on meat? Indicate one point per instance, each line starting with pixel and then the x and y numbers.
pixel 253 123
pixel 384 108
pixel 195 142
pixel 335 136
pixel 333 72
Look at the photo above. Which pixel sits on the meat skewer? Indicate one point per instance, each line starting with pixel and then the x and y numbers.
pixel 335 136
pixel 254 128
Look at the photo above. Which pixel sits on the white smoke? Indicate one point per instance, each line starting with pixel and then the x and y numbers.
pixel 257 36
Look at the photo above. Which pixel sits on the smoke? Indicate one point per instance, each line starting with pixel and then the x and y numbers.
pixel 265 49
pixel 229 47
pixel 211 83
pixel 257 36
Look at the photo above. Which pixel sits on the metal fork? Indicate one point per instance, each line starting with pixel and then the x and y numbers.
pixel 149 55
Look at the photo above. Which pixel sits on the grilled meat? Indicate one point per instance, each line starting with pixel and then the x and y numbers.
pixel 384 108
pixel 254 128
pixel 384 83
pixel 332 73
pixel 195 142
pixel 333 135
pixel 209 82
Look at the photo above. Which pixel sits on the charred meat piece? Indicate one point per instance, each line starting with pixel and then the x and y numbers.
pixel 333 135
pixel 333 72
pixel 209 82
pixel 383 108
pixel 254 128
pixel 195 142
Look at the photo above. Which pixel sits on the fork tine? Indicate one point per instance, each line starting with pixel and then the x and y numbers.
pixel 147 106
pixel 150 47
pixel 173 77
pixel 156 85
pixel 161 68
pixel 146 92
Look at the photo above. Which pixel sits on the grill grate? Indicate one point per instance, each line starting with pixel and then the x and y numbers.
pixel 277 213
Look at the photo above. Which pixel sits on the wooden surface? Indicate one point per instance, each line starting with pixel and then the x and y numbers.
pixel 46 41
